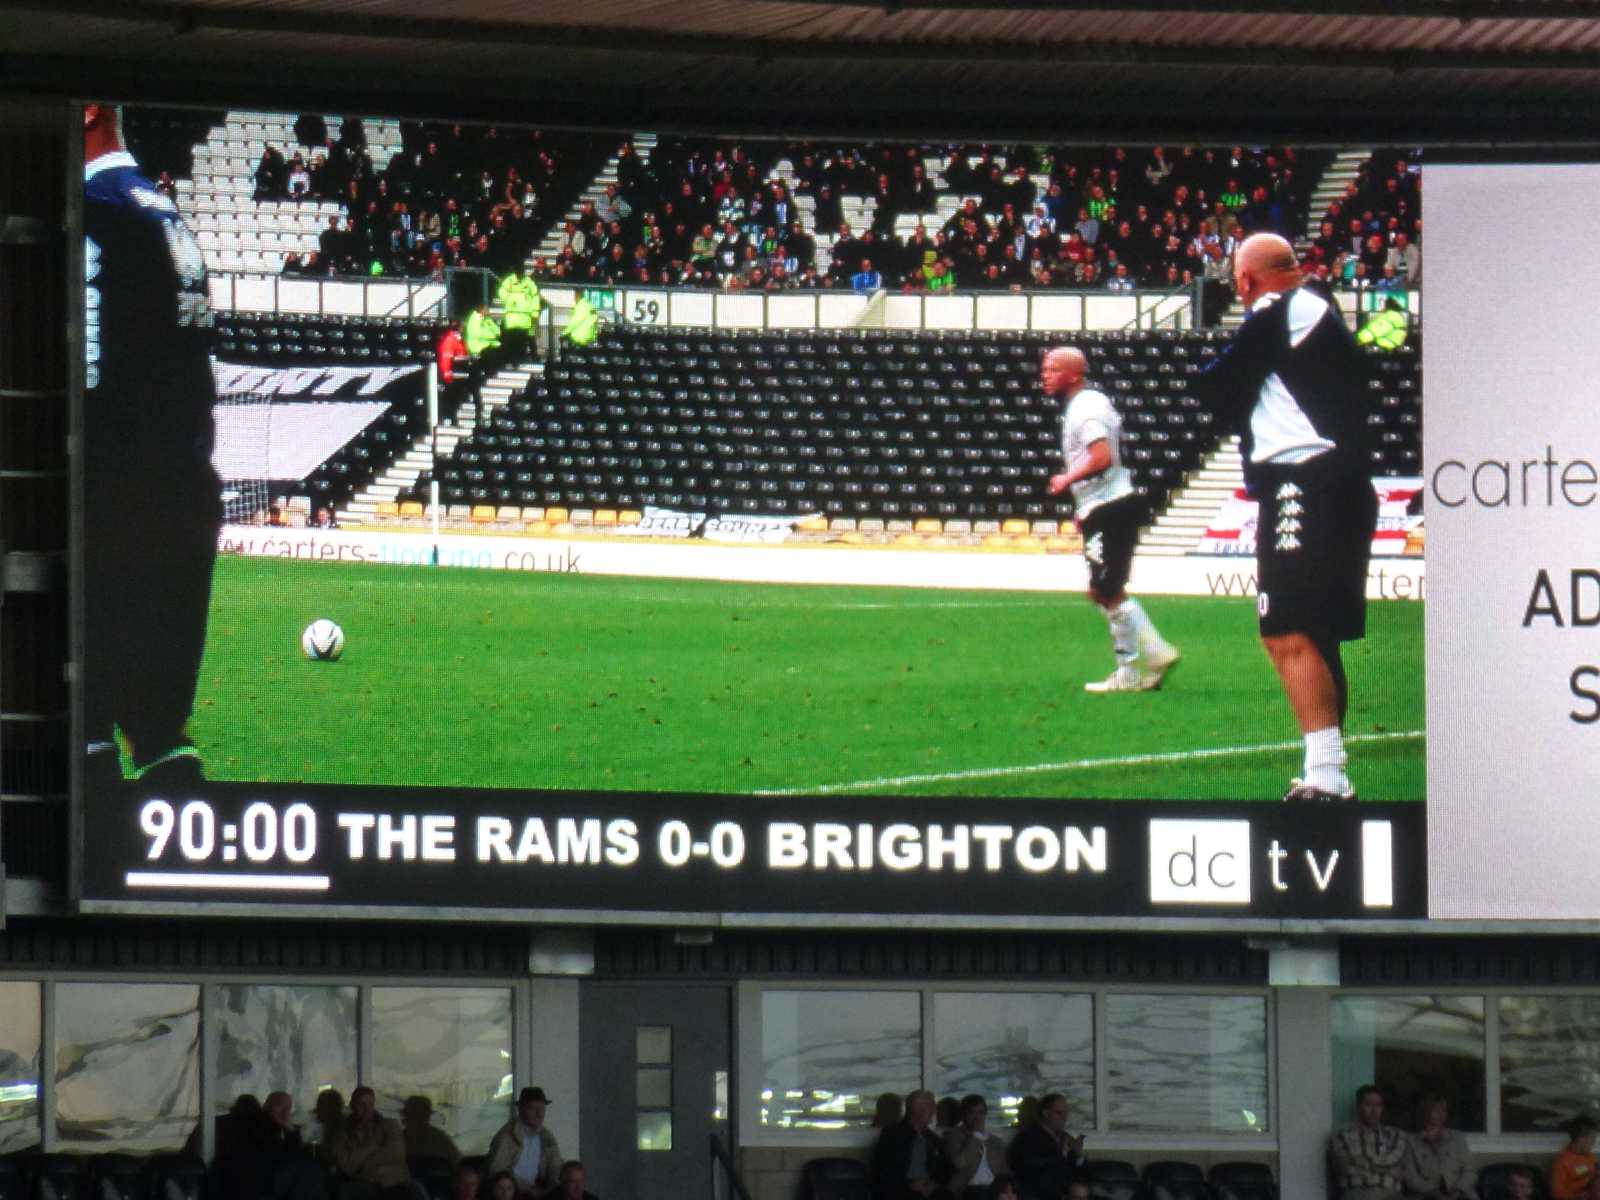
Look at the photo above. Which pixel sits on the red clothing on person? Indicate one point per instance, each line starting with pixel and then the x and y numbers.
pixel 1571 1175
pixel 451 347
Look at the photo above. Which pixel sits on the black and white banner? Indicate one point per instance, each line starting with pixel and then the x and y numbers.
pixel 420 850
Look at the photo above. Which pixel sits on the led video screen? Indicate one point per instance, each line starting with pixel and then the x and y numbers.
pixel 756 564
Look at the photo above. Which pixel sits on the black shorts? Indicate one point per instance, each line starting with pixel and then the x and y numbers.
pixel 1110 532
pixel 1313 543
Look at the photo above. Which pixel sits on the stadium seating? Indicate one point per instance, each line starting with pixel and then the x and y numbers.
pixel 858 424
pixel 1243 1181
pixel 290 340
pixel 1172 1180
pixel 293 339
pixel 1494 1181
pixel 835 1179
pixel 1112 1179
pixel 121 1177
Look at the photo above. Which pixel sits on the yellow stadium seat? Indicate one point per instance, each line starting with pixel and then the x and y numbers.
pixel 605 516
pixel 816 524
pixel 411 508
pixel 928 525
pixel 388 509
pixel 629 516
pixel 1014 525
pixel 555 515
pixel 483 512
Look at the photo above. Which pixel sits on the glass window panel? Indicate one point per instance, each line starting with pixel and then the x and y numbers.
pixel 655 1131
pixel 19 1066
pixel 655 1087
pixel 1191 1063
pixel 654 1044
pixel 1007 1045
pixel 127 1066
pixel 826 1056
pixel 1409 1046
pixel 1549 1060
pixel 291 1039
pixel 452 1045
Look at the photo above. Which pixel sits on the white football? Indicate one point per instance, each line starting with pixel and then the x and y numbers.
pixel 323 641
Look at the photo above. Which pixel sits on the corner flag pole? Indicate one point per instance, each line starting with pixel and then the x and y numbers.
pixel 433 453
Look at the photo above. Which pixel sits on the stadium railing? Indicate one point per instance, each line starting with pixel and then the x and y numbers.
pixel 946 312
pixel 341 296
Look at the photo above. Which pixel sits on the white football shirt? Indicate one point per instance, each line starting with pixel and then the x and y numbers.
pixel 1091 417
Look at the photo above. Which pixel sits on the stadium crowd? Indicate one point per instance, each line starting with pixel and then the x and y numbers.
pixel 452 196
pixel 715 214
pixel 356 1153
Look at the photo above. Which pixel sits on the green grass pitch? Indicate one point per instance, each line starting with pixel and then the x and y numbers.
pixel 499 679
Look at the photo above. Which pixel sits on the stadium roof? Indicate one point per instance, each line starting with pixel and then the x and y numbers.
pixel 1462 71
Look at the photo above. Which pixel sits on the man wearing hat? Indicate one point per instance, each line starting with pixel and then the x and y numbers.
pixel 527 1149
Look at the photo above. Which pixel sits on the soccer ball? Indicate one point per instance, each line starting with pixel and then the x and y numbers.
pixel 323 641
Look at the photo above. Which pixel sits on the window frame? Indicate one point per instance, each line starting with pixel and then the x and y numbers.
pixel 1493 1139
pixel 522 1025
pixel 748 1035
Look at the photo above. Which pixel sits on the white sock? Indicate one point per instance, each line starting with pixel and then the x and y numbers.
pixel 1325 760
pixel 1149 636
pixel 1124 634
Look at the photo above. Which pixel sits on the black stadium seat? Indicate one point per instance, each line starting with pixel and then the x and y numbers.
pixel 1243 1181
pixel 835 1179
pixel 1494 1181
pixel 1112 1179
pixel 1172 1180
pixel 847 400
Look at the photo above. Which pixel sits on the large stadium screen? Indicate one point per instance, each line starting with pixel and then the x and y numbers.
pixel 1514 653
pixel 852 530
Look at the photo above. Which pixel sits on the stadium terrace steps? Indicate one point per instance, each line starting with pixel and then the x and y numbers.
pixel 1178 529
pixel 403 474
pixel 1345 167
pixel 550 247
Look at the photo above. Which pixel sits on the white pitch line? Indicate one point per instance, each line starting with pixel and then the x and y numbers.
pixel 1054 600
pixel 1127 760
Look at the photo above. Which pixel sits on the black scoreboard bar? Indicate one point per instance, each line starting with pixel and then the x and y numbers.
pixel 424 849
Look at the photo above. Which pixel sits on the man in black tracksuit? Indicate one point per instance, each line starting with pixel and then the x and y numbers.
pixel 152 500
pixel 1293 385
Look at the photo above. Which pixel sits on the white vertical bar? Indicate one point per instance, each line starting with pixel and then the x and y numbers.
pixel 1491 1062
pixel 1102 1063
pixel 1377 864
pixel 364 1037
pixel 47 1069
pixel 209 1042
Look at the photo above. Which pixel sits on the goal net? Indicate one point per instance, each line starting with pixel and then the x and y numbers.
pixel 243 455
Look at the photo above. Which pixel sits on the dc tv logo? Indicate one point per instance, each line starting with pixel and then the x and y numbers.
pixel 1200 862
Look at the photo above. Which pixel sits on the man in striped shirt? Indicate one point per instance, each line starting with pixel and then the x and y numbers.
pixel 1368 1157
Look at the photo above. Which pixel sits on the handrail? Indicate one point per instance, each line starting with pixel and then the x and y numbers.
pixel 1065 310
pixel 358 295
pixel 720 1155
